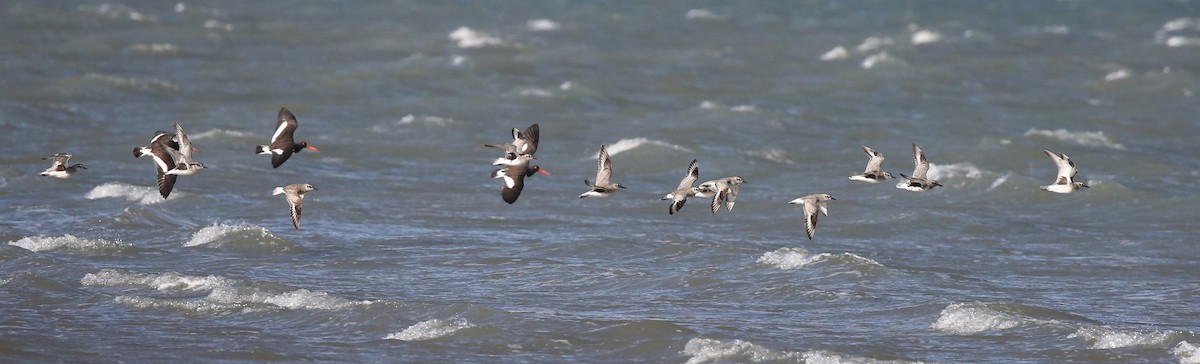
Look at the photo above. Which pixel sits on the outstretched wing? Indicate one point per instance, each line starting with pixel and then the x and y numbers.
pixel 603 166
pixel 921 163
pixel 875 161
pixel 693 173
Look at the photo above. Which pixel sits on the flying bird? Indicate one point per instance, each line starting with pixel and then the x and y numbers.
pixel 283 143
pixel 873 173
pixel 602 187
pixel 812 204
pixel 1065 183
pixel 59 168
pixel 680 195
pixel 295 197
pixel 918 182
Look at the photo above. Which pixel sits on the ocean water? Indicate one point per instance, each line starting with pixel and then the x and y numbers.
pixel 406 253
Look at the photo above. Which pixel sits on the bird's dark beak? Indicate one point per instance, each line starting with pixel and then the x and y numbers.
pixel 81 166
pixel 621 186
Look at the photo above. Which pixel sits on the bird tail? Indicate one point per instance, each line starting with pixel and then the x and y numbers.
pixel 277 190
pixel 262 149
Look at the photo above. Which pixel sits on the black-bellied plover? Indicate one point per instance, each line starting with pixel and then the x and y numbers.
pixel 680 195
pixel 722 191
pixel 1065 182
pixel 60 169
pixel 873 173
pixel 295 197
pixel 522 143
pixel 918 182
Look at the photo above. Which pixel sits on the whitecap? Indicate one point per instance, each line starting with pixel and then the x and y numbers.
pixel 542 25
pixel 117 11
pixel 536 92
pixel 955 170
pixel 470 38
pixel 836 53
pixel 704 350
pixel 873 43
pixel 170 281
pixel 1102 337
pixel 565 86
pixel 148 84
pixel 628 144
pixel 223 292
pixel 701 14
pixel 793 258
pixel 131 193
pixel 217 231
pixel 430 329
pixel 876 59
pixel 743 108
pixel 772 154
pixel 218 133
pixel 219 25
pixel 999 181
pixel 925 36
pixel 1116 75
pixel 1187 353
pixel 1056 29
pixel 1084 138
pixel 973 318
pixel 154 48
pixel 67 242
pixel 1176 41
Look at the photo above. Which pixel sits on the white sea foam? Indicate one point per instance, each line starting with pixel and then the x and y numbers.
pixel 117 11
pixel 772 154
pixel 68 242
pixel 628 144
pixel 470 38
pixel 1103 337
pixel 873 43
pixel 536 92
pixel 218 25
pixel 148 84
pixel 703 350
pixel 1170 34
pixel 793 258
pixel 430 329
pixel 217 133
pixel 1116 75
pixel 1187 353
pixel 1056 29
pixel 1176 41
pixel 955 170
pixel 217 231
pixel 925 36
pixel 1084 138
pixel 743 108
pixel 701 14
pixel 877 59
pixel 973 318
pixel 836 53
pixel 999 181
pixel 223 292
pixel 131 193
pixel 154 48
pixel 542 25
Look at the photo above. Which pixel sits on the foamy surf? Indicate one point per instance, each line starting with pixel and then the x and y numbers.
pixel 222 232
pixel 628 144
pixel 68 242
pixel 430 329
pixel 703 350
pixel 954 170
pixel 221 133
pixel 1084 138
pixel 140 195
pixel 793 258
pixel 469 38
pixel 974 318
pixel 223 293
pixel 1187 353
pixel 1103 337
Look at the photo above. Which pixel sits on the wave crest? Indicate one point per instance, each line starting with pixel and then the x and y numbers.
pixel 218 232
pixel 1101 337
pixel 430 329
pixel 141 195
pixel 223 293
pixel 792 258
pixel 68 242
pixel 1084 138
pixel 973 318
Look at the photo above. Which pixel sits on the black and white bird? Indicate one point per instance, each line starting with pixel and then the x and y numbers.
pixel 523 143
pixel 722 191
pixel 602 187
pixel 812 204
pixel 1065 181
pixel 873 173
pixel 59 168
pixel 514 179
pixel 918 182
pixel 283 143
pixel 162 150
pixel 680 195
pixel 294 193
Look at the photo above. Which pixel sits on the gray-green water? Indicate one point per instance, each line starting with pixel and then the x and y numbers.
pixel 407 253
